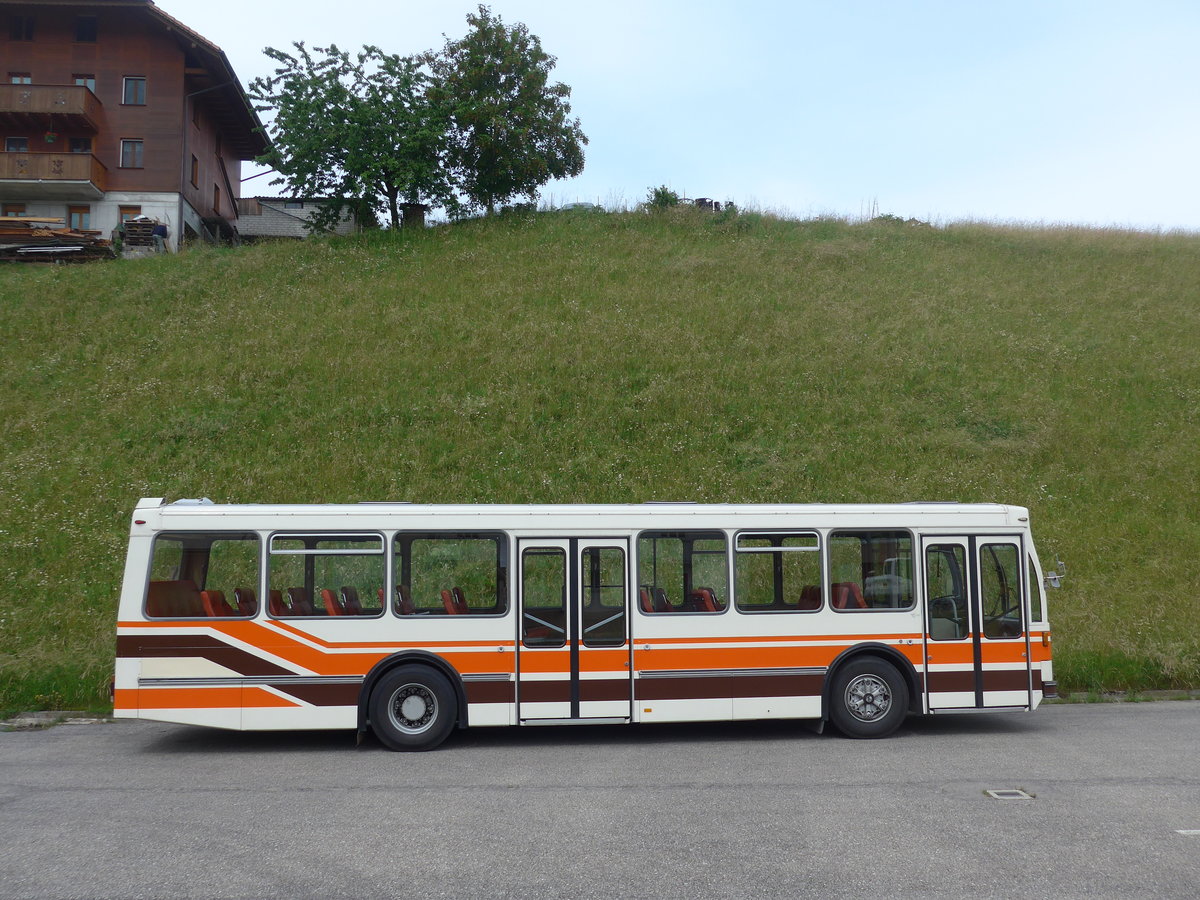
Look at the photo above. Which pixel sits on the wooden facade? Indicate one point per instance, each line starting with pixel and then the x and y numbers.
pixel 156 106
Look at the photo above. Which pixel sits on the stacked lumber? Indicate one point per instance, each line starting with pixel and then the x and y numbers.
pixel 31 239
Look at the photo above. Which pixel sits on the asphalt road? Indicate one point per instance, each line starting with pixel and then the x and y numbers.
pixel 131 809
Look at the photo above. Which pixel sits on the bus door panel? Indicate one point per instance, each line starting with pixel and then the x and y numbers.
pixel 573 646
pixel 976 640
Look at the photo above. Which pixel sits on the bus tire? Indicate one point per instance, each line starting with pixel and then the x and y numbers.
pixel 413 707
pixel 868 698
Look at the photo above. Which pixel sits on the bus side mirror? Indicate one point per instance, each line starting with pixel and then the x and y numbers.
pixel 1054 579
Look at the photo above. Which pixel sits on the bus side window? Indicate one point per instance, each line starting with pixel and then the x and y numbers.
pixel 194 574
pixel 777 572
pixel 682 572
pixel 450 574
pixel 335 575
pixel 1035 594
pixel 870 570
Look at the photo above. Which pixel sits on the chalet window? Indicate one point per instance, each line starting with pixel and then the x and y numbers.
pixel 131 154
pixel 195 172
pixel 20 28
pixel 80 217
pixel 13 209
pixel 16 145
pixel 80 145
pixel 20 78
pixel 293 204
pixel 85 29
pixel 87 81
pixel 129 212
pixel 135 90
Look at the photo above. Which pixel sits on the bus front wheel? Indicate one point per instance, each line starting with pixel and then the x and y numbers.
pixel 413 708
pixel 868 698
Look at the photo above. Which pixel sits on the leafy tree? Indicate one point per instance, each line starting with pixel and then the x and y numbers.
pixel 510 127
pixel 362 131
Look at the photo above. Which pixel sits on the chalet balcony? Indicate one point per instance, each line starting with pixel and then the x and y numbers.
pixel 29 108
pixel 52 176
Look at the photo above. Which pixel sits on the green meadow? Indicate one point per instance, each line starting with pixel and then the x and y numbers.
pixel 616 357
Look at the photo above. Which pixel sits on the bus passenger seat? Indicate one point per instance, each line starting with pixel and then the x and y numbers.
pixel 276 605
pixel 460 602
pixel 810 597
pixel 448 602
pixel 247 603
pixel 848 595
pixel 301 602
pixel 404 597
pixel 333 606
pixel 350 604
pixel 704 600
pixel 215 604
pixel 661 603
pixel 174 599
pixel 645 601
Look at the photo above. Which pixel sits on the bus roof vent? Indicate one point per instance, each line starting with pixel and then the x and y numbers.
pixel 193 501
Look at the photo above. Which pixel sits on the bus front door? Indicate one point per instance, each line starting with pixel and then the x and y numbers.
pixel 573 660
pixel 976 634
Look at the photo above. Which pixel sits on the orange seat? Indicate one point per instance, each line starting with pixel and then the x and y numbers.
pixel 333 606
pixel 460 602
pixel 848 595
pixel 705 600
pixel 644 600
pixel 448 602
pixel 215 604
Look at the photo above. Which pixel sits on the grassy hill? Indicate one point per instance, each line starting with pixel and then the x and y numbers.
pixel 609 358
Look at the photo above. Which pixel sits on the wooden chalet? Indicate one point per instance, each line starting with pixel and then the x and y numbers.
pixel 112 110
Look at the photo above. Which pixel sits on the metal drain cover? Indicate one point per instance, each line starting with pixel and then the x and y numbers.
pixel 1009 794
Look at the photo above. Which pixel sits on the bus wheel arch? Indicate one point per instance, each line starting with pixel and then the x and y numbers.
pixel 869 690
pixel 412 661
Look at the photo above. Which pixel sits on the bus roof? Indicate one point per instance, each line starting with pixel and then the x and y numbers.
pixel 643 515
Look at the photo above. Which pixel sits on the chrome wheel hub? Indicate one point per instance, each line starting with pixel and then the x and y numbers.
pixel 868 698
pixel 413 708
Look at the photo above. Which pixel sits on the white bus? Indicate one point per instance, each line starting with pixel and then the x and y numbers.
pixel 411 620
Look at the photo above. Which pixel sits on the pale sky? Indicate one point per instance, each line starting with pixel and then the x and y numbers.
pixel 1030 111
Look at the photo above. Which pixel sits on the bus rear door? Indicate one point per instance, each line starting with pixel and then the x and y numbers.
pixel 573 648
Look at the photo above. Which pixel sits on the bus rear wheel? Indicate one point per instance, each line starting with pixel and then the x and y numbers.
pixel 868 699
pixel 413 708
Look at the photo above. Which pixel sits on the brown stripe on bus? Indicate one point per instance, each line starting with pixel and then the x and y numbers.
pixel 690 687
pixel 199 645
pixel 490 691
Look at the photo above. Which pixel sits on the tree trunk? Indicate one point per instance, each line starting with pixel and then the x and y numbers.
pixel 392 194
